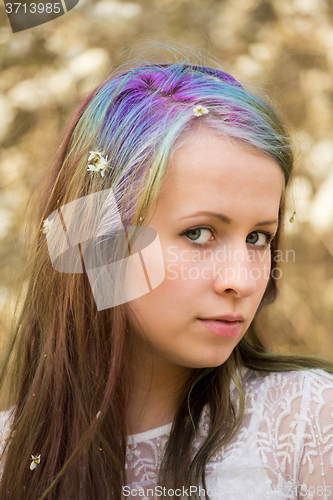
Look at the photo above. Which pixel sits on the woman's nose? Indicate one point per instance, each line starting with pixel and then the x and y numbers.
pixel 237 274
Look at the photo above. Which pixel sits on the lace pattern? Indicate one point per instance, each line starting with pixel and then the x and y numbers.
pixel 282 450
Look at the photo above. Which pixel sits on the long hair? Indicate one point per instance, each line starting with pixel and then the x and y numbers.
pixel 70 382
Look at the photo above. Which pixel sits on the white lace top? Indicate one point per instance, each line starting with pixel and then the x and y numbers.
pixel 282 450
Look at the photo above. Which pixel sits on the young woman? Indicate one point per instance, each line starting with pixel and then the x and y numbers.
pixel 142 375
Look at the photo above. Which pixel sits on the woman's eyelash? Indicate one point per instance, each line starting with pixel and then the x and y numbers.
pixel 269 235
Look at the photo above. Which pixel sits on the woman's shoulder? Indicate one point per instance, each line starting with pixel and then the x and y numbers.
pixel 255 380
pixel 6 417
pixel 310 389
pixel 259 379
pixel 303 373
pixel 285 440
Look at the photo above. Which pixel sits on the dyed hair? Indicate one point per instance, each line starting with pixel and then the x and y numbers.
pixel 72 362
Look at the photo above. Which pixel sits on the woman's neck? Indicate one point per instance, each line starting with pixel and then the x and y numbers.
pixel 156 391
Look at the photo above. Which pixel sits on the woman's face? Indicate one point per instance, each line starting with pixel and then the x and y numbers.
pixel 241 189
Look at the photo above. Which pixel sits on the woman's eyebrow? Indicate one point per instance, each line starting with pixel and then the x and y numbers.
pixel 226 219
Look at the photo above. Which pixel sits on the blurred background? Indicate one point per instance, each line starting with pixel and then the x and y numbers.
pixel 284 47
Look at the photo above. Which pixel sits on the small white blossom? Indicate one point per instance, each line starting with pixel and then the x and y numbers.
pixel 47 225
pixel 35 461
pixel 200 110
pixel 100 164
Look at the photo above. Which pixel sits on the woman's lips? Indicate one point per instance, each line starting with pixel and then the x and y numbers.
pixel 223 328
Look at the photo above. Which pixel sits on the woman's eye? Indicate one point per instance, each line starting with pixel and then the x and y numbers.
pixel 198 236
pixel 259 239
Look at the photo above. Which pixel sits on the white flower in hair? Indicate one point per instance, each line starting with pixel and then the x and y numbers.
pixel 200 110
pixel 47 224
pixel 100 164
pixel 35 461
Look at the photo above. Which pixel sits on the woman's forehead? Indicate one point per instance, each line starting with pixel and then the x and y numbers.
pixel 214 173
pixel 205 153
